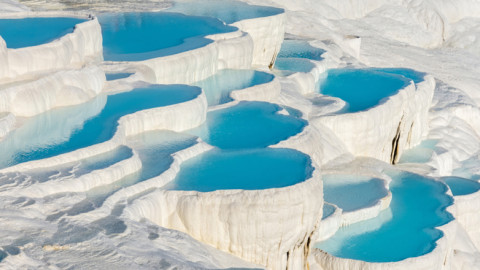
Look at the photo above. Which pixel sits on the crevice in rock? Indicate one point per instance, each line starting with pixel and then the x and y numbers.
pixel 288 255
pixel 409 139
pixel 272 62
pixel 395 144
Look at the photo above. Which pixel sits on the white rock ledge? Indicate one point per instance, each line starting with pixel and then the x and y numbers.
pixel 63 88
pixel 256 225
pixel 399 122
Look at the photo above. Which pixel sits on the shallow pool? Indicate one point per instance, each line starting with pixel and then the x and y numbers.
pixel 117 76
pixel 226 10
pixel 461 186
pixel 26 32
pixel 243 169
pixel 219 86
pixel 81 167
pixel 155 149
pixel 248 125
pixel 140 36
pixel 288 66
pixel 415 76
pixel 328 210
pixel 300 49
pixel 53 133
pixel 421 153
pixel 406 229
pixel 361 89
pixel 352 192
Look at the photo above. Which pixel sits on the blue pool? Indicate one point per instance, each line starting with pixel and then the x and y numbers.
pixel 248 125
pixel 141 36
pixel 415 76
pixel 288 66
pixel 461 186
pixel 420 153
pixel 243 169
pixel 26 32
pixel 97 127
pixel 406 229
pixel 117 76
pixel 155 149
pixel 300 49
pixel 226 10
pixel 361 89
pixel 84 166
pixel 351 192
pixel 328 210
pixel 219 86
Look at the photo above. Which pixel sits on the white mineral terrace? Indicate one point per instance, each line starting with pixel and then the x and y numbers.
pixel 108 203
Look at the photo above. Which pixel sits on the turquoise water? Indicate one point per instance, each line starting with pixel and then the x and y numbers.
pixel 218 87
pixel 98 127
pixel 461 186
pixel 300 49
pixel 84 166
pixel 406 229
pixel 155 149
pixel 248 125
pixel 288 66
pixel 116 76
pixel 411 74
pixel 243 169
pixel 420 153
pixel 141 36
pixel 350 192
pixel 362 89
pixel 328 210
pixel 225 10
pixel 26 32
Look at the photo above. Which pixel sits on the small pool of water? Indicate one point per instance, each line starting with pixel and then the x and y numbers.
pixel 248 125
pixel 219 86
pixel 361 89
pixel 415 76
pixel 406 229
pixel 243 169
pixel 54 133
pixel 139 36
pixel 421 153
pixel 117 76
pixel 226 10
pixel 26 32
pixel 352 192
pixel 300 49
pixel 461 186
pixel 288 66
pixel 82 167
pixel 155 149
pixel 328 210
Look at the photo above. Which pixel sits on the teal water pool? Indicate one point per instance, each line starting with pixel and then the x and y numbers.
pixel 352 192
pixel 248 125
pixel 361 89
pixel 228 11
pixel 461 186
pixel 243 169
pixel 406 229
pixel 218 87
pixel 26 32
pixel 137 36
